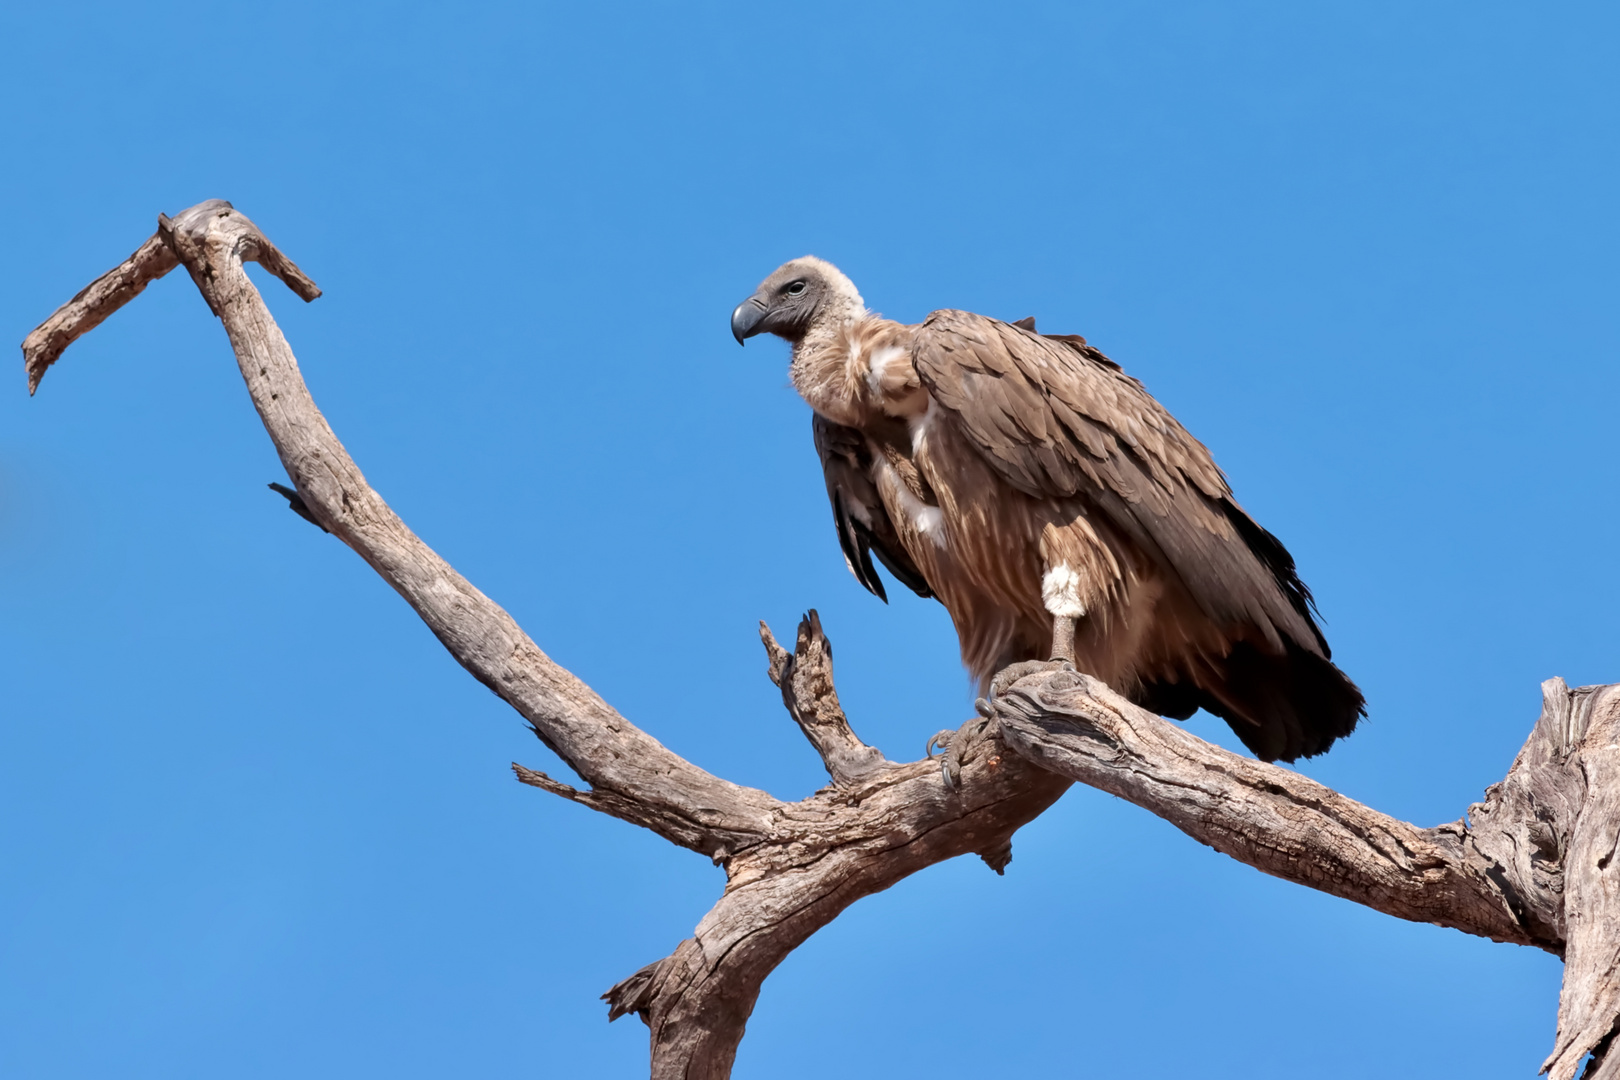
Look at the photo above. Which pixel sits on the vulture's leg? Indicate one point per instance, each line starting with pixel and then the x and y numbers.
pixel 1064 592
pixel 1077 570
pixel 959 745
pixel 1063 638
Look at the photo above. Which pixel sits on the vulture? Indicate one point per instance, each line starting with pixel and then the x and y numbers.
pixel 1055 508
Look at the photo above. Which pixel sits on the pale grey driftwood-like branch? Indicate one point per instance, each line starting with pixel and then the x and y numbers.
pixel 95 302
pixel 791 867
pixel 1534 863
pixel 681 802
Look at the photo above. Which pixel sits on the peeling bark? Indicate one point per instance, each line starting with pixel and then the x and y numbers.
pixel 1532 864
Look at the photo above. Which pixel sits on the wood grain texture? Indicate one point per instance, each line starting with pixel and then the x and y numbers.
pixel 1533 863
pixel 1268 816
pixel 805 678
pixel 1581 832
pixel 93 304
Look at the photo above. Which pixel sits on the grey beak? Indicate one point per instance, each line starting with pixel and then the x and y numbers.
pixel 746 319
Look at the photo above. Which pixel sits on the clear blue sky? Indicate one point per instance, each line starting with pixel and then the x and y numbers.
pixel 255 823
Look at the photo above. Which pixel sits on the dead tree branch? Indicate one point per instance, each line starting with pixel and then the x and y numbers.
pixel 95 302
pixel 1531 864
pixel 806 680
pixel 791 867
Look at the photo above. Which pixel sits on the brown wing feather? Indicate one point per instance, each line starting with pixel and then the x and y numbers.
pixel 863 525
pixel 1056 418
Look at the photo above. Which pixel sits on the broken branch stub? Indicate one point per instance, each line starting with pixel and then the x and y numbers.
pixel 805 678
pixel 93 304
pixel 1533 863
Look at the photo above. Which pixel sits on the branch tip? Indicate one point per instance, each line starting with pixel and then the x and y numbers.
pixel 93 303
pixel 536 778
pixel 634 994
pixel 805 677
pixel 998 856
pixel 779 661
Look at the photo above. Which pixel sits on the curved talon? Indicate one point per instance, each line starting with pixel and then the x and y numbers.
pixel 984 707
pixel 939 740
pixel 956 746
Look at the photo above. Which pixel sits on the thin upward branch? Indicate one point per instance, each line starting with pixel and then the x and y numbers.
pixel 805 677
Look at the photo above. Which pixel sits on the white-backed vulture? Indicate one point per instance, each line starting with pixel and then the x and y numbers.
pixel 1056 510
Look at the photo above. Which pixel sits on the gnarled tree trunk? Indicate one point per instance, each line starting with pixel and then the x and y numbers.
pixel 1532 864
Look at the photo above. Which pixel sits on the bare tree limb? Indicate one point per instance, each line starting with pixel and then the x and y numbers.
pixel 791 868
pixel 681 802
pixel 1588 754
pixel 1533 863
pixel 1268 816
pixel 95 302
pixel 831 850
pixel 806 681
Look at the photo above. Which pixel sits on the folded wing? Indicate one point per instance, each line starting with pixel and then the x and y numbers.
pixel 1055 418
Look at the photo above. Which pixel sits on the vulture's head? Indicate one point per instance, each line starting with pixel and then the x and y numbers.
pixel 798 297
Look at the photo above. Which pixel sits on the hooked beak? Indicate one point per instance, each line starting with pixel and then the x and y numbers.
pixel 746 319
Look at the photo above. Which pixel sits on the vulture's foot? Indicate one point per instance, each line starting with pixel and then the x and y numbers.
pixel 961 746
pixel 1010 674
pixel 958 747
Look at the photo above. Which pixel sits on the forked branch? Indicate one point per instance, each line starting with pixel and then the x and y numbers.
pixel 1532 864
pixel 805 677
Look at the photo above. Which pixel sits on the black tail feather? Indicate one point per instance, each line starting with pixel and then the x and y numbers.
pixel 1282 707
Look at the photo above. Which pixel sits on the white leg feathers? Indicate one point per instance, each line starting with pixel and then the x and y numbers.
pixel 1060 591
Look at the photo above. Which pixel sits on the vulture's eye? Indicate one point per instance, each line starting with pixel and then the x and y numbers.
pixel 796 288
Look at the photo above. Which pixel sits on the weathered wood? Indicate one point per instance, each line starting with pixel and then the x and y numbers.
pixel 678 800
pixel 829 851
pixel 1532 863
pixel 1589 1005
pixel 805 678
pixel 93 304
pixel 791 867
pixel 1265 815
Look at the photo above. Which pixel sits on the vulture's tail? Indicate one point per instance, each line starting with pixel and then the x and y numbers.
pixel 1282 707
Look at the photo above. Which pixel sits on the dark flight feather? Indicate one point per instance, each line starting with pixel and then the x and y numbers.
pixel 864 528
